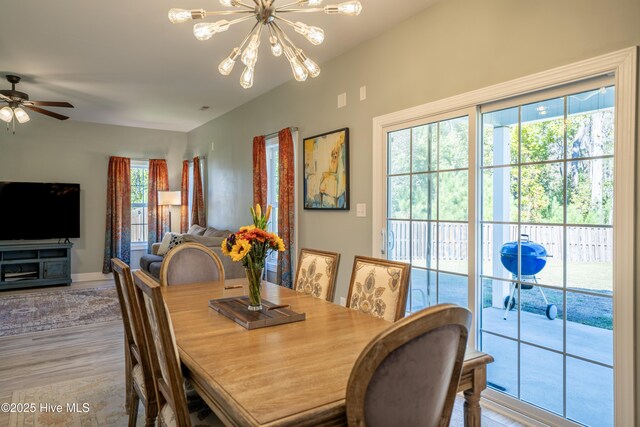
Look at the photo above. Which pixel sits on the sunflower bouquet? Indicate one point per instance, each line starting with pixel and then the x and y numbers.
pixel 251 245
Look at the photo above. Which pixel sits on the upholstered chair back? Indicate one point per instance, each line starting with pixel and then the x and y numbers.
pixel 409 374
pixel 316 273
pixel 379 287
pixel 163 350
pixel 190 263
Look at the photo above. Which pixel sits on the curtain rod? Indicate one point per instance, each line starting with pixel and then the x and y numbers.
pixel 146 160
pixel 272 134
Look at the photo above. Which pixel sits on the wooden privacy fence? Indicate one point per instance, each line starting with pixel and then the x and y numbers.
pixel 584 244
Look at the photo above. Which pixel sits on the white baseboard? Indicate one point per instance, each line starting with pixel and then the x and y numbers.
pixel 87 277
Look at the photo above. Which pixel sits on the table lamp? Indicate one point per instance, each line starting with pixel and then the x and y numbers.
pixel 169 198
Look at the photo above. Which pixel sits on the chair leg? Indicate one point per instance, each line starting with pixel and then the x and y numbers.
pixel 134 402
pixel 127 379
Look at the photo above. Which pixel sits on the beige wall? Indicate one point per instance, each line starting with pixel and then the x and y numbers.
pixel 46 150
pixel 451 48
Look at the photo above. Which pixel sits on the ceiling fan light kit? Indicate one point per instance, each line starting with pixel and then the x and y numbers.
pixel 267 16
pixel 15 100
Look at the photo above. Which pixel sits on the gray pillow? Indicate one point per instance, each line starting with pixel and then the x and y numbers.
pixel 211 242
pixel 196 230
pixel 214 232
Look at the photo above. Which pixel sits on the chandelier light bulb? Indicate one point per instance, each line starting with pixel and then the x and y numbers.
pixel 299 71
pixel 21 115
pixel 246 79
pixel 276 47
pixel 314 34
pixel 309 64
pixel 204 31
pixel 351 8
pixel 178 16
pixel 250 54
pixel 226 66
pixel 6 114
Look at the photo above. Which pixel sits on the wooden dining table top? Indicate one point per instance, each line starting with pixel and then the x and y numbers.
pixel 280 375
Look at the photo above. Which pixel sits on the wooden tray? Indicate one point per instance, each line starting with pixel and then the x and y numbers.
pixel 235 308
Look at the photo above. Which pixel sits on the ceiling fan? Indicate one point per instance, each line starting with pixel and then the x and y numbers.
pixel 16 100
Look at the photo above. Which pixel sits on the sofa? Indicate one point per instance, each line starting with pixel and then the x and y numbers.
pixel 207 236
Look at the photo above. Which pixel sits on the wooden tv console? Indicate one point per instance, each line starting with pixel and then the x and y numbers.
pixel 35 264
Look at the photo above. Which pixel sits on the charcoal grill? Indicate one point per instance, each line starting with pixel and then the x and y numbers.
pixel 533 258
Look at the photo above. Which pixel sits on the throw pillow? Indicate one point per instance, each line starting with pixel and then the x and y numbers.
pixel 196 230
pixel 169 241
pixel 214 232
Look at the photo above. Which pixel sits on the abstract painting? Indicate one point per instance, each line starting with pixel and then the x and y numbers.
pixel 326 170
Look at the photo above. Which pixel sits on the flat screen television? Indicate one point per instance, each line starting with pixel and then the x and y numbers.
pixel 36 210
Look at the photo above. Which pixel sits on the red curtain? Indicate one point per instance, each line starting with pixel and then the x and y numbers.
pixel 259 171
pixel 118 228
pixel 184 198
pixel 197 205
pixel 286 207
pixel 158 215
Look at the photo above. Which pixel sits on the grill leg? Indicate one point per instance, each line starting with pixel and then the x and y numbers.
pixel 541 291
pixel 506 310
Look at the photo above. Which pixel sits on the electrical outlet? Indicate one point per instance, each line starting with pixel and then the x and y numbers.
pixel 343 301
pixel 361 209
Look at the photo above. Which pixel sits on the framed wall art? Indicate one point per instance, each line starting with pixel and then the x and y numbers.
pixel 326 170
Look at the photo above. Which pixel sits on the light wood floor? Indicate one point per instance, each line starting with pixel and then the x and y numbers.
pixel 48 357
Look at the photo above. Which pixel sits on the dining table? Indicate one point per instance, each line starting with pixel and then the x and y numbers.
pixel 292 374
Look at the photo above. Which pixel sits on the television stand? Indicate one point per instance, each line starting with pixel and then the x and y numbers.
pixel 35 264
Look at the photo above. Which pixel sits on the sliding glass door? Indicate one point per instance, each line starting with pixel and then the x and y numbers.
pixel 547 248
pixel 427 208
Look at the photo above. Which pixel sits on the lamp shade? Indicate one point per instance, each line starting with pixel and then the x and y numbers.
pixel 169 198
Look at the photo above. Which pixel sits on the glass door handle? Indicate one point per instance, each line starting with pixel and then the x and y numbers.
pixel 382 242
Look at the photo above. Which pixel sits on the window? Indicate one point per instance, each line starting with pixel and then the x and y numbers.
pixel 139 194
pixel 272 195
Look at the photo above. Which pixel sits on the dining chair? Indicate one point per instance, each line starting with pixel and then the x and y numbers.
pixel 138 377
pixel 317 272
pixel 174 397
pixel 379 287
pixel 408 375
pixel 190 263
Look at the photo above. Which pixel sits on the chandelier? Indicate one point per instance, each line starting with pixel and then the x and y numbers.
pixel 268 18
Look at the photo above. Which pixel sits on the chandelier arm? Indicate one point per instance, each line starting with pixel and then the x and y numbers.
pixel 228 12
pixel 239 3
pixel 312 9
pixel 248 36
pixel 283 36
pixel 288 5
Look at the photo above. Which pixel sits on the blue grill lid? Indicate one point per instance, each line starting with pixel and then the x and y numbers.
pixel 534 256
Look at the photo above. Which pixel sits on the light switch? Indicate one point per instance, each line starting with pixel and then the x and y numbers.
pixel 342 100
pixel 363 93
pixel 361 209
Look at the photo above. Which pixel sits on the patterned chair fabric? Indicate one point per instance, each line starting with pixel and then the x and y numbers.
pixel 379 287
pixel 316 274
pixel 408 375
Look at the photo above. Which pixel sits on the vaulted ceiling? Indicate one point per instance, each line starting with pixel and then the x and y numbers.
pixel 122 62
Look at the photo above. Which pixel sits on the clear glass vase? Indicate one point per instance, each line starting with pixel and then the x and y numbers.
pixel 254 276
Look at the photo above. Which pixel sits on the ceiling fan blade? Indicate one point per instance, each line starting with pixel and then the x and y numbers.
pixel 49 104
pixel 47 113
pixel 5 98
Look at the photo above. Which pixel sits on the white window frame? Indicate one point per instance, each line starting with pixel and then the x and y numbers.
pixel 622 65
pixel 135 246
